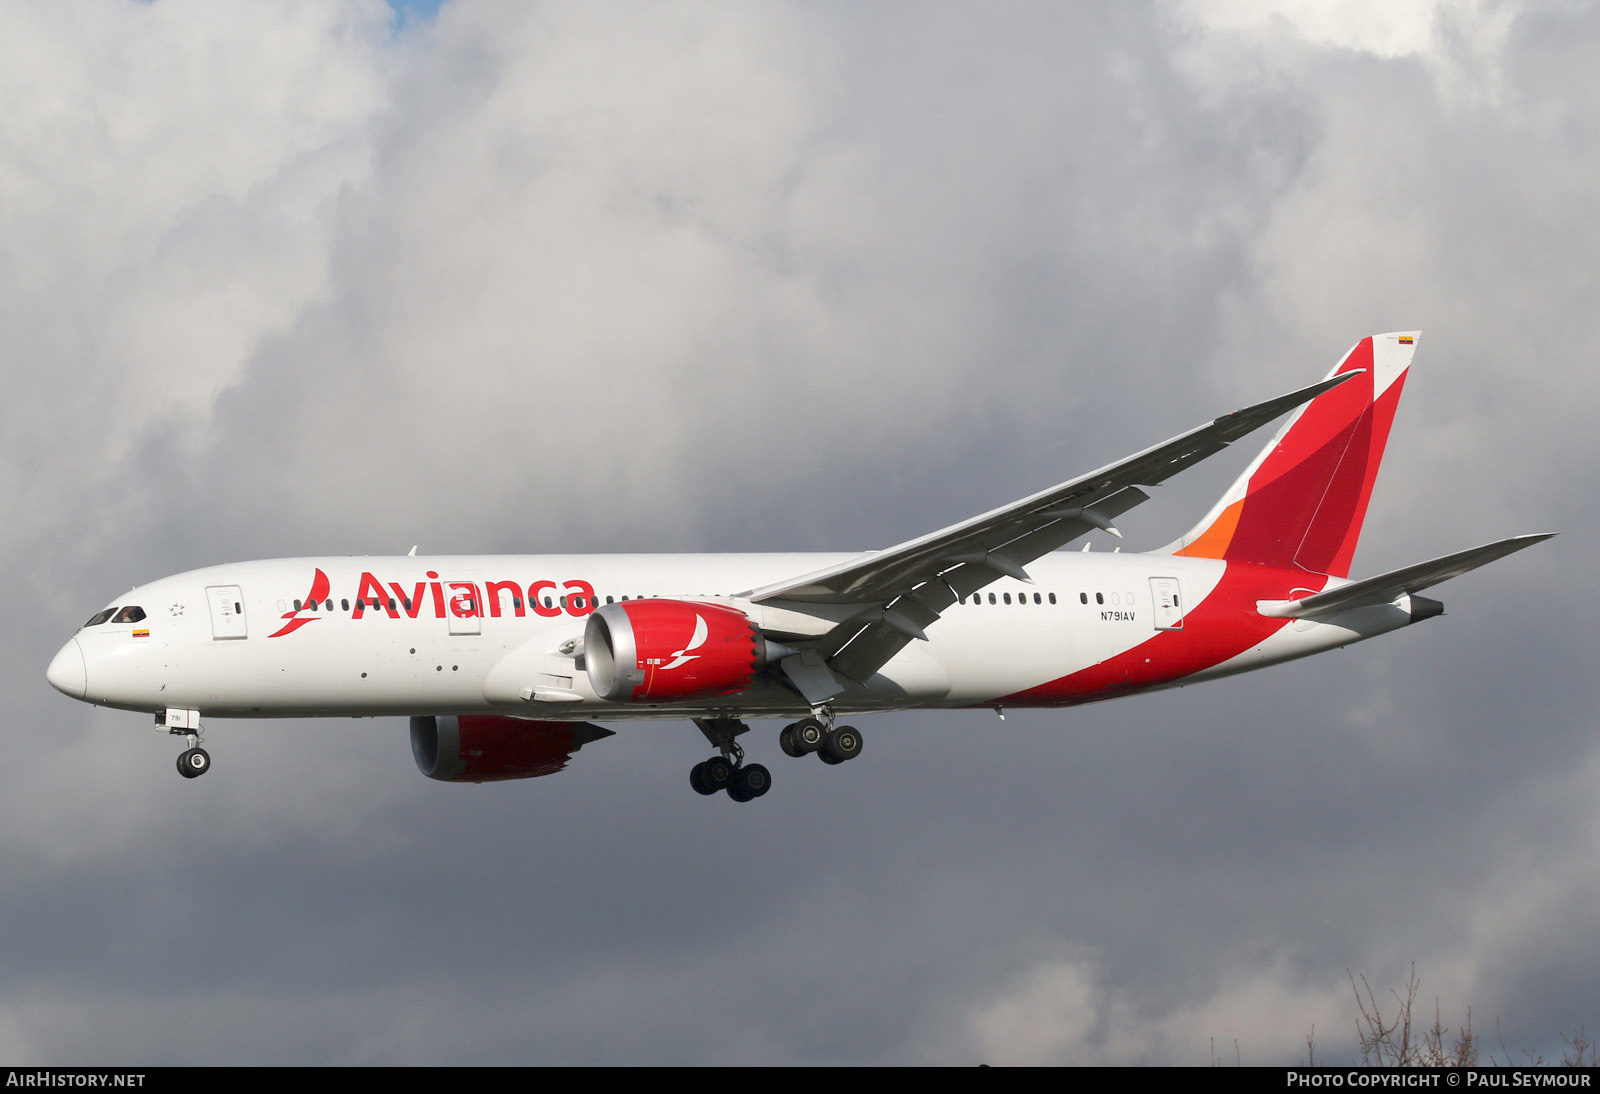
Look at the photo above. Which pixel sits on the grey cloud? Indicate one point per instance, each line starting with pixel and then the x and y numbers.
pixel 556 278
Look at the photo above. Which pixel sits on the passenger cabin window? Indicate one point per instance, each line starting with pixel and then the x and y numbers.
pixel 100 617
pixel 130 614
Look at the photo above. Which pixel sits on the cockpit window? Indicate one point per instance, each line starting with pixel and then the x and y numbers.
pixel 131 614
pixel 99 617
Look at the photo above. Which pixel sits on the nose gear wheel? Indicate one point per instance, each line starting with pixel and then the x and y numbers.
pixel 193 761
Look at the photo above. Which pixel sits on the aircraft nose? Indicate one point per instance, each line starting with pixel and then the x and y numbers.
pixel 67 673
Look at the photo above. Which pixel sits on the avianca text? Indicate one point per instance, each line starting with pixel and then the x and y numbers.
pixel 466 599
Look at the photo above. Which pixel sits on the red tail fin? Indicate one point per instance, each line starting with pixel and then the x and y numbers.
pixel 1302 502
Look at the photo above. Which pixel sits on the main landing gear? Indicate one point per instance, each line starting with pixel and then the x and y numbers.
pixel 746 782
pixel 194 761
pixel 743 782
pixel 728 771
pixel 832 744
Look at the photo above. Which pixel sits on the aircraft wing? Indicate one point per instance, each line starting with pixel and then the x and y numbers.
pixel 900 591
pixel 1386 588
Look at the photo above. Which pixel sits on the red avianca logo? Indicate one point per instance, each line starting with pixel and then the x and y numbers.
pixel 448 599
pixel 318 593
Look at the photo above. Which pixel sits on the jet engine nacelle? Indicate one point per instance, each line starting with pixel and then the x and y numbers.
pixel 480 748
pixel 663 651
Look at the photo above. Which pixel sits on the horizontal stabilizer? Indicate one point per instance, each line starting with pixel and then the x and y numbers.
pixel 1386 588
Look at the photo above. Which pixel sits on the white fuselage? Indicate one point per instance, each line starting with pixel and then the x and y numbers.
pixel 503 634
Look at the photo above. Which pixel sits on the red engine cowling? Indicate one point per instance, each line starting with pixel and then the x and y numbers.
pixel 480 748
pixel 665 651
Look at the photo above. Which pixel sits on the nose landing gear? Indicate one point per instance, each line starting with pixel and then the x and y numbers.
pixel 194 761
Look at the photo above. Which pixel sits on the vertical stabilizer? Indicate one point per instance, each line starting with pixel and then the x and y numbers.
pixel 1303 499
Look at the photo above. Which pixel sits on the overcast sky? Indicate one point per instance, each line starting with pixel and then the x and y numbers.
pixel 313 278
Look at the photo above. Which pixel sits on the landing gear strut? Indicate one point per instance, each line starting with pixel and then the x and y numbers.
pixel 727 770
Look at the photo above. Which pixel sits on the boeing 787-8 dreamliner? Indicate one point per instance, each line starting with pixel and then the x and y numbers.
pixel 504 663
